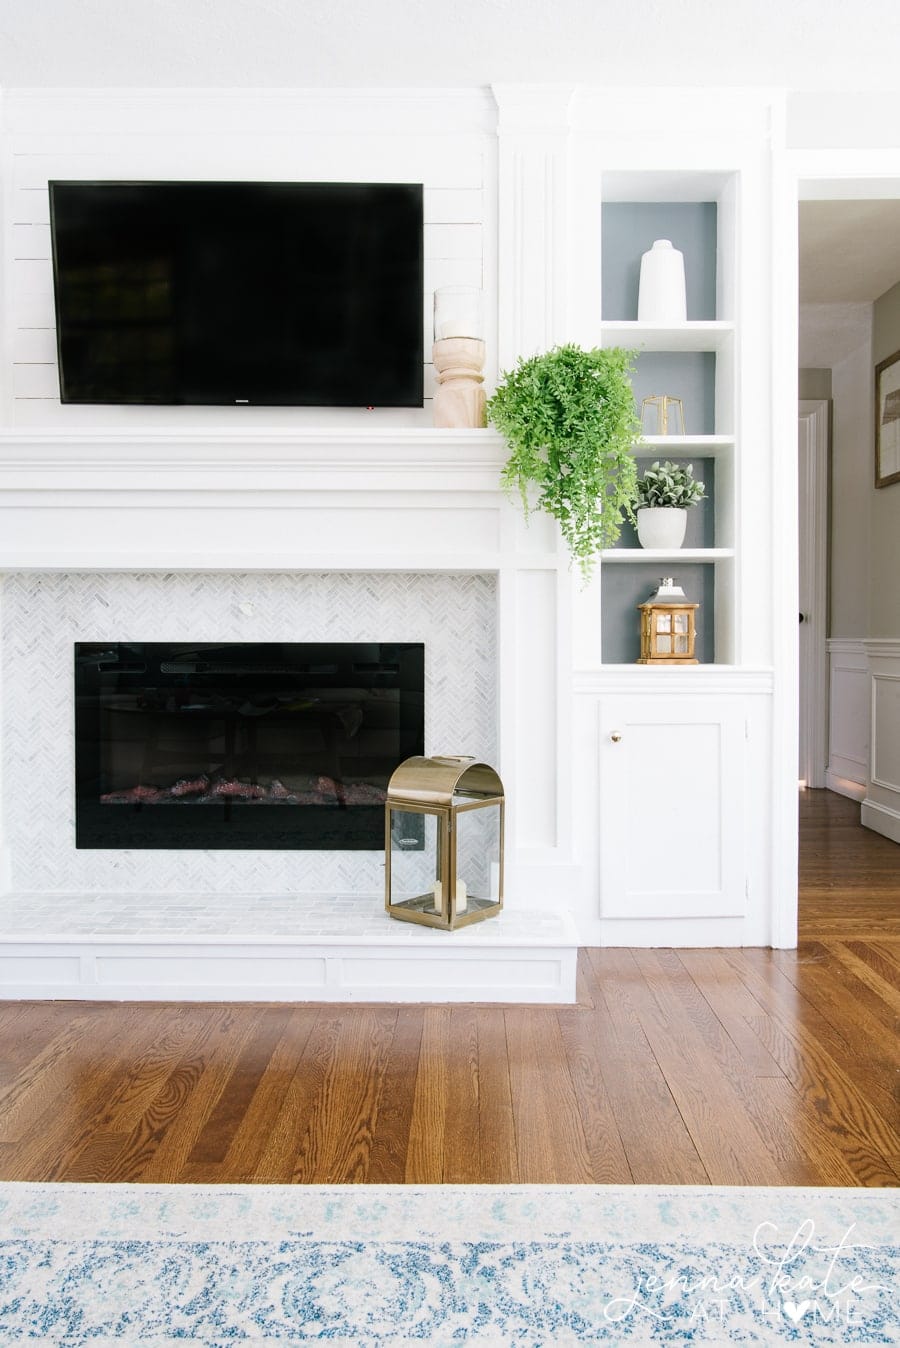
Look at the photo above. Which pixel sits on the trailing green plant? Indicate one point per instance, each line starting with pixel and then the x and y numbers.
pixel 669 485
pixel 569 418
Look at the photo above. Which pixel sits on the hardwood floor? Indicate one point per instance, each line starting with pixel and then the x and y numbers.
pixel 679 1067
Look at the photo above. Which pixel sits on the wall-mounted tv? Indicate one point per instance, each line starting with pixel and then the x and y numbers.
pixel 223 293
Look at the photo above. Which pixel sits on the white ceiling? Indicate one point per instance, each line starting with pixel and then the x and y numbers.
pixel 798 44
pixel 849 250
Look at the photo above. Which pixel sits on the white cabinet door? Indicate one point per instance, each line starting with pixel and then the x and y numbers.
pixel 671 835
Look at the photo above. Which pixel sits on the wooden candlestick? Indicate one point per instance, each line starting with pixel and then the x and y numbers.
pixel 459 398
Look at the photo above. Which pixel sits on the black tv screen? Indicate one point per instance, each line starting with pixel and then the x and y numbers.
pixel 277 294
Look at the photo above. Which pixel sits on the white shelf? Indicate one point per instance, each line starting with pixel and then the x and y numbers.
pixel 691 336
pixel 677 446
pixel 666 554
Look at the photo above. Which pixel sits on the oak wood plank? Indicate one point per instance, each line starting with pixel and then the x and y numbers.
pixel 609 1163
pixel 338 1136
pixel 390 1143
pixel 425 1153
pixel 251 1136
pixel 218 1132
pixel 498 1153
pixel 699 1073
pixel 657 1144
pixel 462 1128
pixel 159 1144
pixel 275 1164
pixel 731 1002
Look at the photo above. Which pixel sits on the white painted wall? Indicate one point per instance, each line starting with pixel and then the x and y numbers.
pixel 839 337
pixel 447 142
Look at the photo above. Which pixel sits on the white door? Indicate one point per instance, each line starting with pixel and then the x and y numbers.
pixel 671 801
pixel 812 449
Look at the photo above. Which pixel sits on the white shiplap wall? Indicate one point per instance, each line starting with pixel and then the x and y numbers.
pixel 444 139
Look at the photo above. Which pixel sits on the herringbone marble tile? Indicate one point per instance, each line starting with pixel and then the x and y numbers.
pixel 44 614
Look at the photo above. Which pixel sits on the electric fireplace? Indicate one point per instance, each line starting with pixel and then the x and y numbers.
pixel 280 745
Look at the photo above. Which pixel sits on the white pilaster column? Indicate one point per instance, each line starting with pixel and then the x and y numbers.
pixel 533 173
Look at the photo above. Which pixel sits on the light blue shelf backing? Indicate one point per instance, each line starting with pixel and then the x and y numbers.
pixel 688 375
pixel 629 229
pixel 626 585
pixel 701 522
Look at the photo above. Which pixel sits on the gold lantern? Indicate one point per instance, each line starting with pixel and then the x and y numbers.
pixel 668 630
pixel 662 405
pixel 443 842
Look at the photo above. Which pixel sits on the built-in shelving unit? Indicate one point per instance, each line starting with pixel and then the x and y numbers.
pixel 694 361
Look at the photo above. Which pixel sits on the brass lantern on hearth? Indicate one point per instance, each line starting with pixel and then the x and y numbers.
pixel 443 841
pixel 668 627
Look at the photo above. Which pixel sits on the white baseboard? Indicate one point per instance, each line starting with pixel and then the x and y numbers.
pixel 881 819
pixel 845 786
pixel 444 970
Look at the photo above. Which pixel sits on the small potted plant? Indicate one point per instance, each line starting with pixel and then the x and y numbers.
pixel 664 493
pixel 569 418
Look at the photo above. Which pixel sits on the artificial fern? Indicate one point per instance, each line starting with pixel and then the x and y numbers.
pixel 569 418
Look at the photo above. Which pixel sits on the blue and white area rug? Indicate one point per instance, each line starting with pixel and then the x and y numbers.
pixel 529 1266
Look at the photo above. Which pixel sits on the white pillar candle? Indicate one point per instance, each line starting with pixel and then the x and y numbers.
pixel 458 312
pixel 462 896
pixel 438 895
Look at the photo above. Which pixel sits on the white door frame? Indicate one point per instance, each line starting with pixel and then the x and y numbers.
pixel 813 471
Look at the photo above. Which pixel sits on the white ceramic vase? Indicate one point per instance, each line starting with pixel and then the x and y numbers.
pixel 661 295
pixel 661 526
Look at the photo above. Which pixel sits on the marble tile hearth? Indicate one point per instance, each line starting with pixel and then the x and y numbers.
pixel 273 947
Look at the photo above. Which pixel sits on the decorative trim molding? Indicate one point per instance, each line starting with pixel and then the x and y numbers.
pixel 383 457
pixel 703 680
pixel 849 717
pixel 884 648
pixel 881 819
pixel 846 646
pixel 91 968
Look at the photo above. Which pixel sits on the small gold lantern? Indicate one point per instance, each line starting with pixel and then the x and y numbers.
pixel 668 630
pixel 661 405
pixel 443 842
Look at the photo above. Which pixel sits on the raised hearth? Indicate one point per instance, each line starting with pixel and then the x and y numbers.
pixel 247 947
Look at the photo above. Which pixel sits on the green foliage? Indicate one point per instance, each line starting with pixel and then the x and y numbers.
pixel 569 418
pixel 669 484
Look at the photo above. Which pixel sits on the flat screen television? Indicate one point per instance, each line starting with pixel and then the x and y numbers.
pixel 223 293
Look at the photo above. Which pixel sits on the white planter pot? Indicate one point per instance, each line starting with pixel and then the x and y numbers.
pixel 661 526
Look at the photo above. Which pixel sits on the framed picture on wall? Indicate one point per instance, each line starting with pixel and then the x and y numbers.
pixel 887 421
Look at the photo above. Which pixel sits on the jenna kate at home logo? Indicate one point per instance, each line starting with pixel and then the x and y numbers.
pixel 792 1277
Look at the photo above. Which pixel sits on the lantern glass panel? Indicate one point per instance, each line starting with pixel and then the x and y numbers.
pixel 681 645
pixel 663 622
pixel 415 858
pixel 664 645
pixel 478 855
pixel 681 622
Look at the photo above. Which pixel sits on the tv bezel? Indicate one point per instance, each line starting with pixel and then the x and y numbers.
pixel 416 262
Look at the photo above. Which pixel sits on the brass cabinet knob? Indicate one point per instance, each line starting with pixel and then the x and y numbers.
pixel 615 736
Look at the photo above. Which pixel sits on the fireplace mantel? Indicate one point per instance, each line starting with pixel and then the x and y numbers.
pixel 380 498
pixel 376 458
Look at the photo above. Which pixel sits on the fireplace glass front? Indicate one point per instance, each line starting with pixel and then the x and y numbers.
pixel 283 746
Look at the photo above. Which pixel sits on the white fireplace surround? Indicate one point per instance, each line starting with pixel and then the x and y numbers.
pixel 43 614
pixel 278 535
